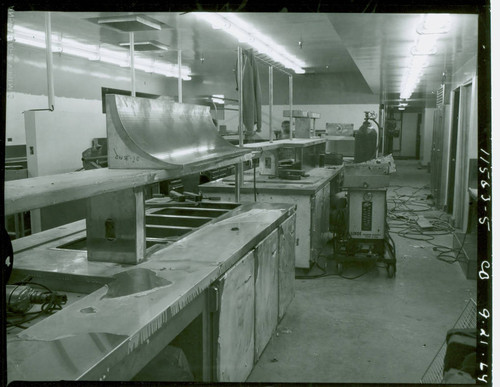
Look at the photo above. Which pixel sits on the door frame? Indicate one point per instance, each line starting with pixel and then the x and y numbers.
pixel 460 215
pixel 452 155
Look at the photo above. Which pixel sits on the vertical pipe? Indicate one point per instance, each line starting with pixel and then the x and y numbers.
pixel 271 97
pixel 179 80
pixel 382 127
pixel 290 101
pixel 132 62
pixel 48 52
pixel 240 95
pixel 239 166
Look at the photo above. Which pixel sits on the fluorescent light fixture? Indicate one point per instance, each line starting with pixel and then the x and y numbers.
pixel 435 23
pixel 95 52
pixel 425 45
pixel 401 108
pixel 246 33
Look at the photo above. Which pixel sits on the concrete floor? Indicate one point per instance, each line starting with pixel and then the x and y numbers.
pixel 372 329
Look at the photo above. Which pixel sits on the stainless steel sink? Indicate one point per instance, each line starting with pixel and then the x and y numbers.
pixel 192 211
pixel 166 225
pixel 177 220
pixel 157 231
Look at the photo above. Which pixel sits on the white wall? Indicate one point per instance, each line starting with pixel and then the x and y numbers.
pixel 348 114
pixel 17 103
pixel 55 140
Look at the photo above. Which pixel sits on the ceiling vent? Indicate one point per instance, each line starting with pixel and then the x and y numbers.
pixel 131 23
pixel 151 45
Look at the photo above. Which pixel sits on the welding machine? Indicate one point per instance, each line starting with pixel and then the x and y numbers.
pixel 361 232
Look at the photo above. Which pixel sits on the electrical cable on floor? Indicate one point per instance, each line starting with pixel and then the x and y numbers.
pixel 446 250
pixel 325 274
pixel 407 228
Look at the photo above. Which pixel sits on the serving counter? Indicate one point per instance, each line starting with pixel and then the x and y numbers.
pixel 122 316
pixel 311 194
pixel 137 278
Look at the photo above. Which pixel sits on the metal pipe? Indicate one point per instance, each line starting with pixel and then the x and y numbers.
pixel 290 101
pixel 179 80
pixel 237 182
pixel 50 67
pixel 239 166
pixel 132 62
pixel 271 97
pixel 240 95
pixel 382 120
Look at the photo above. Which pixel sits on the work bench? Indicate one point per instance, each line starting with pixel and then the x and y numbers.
pixel 121 316
pixel 311 194
pixel 138 277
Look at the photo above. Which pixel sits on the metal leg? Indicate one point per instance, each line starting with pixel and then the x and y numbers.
pixel 207 340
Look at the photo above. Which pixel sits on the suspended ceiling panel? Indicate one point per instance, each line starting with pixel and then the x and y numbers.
pixel 380 45
pixel 377 46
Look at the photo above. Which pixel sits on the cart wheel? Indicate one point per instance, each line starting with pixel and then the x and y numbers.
pixel 390 270
pixel 340 268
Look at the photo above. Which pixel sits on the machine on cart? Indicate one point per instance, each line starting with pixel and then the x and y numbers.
pixel 359 218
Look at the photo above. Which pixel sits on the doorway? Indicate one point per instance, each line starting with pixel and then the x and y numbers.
pixel 453 150
pixel 466 130
pixel 409 136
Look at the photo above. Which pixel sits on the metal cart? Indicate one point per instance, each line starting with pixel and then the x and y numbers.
pixel 360 227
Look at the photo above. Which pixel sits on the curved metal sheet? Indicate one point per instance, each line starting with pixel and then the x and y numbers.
pixel 147 133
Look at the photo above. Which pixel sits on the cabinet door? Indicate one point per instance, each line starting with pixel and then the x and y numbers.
pixel 286 264
pixel 235 322
pixel 266 291
pixel 320 218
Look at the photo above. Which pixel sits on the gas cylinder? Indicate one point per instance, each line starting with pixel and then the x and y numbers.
pixel 365 143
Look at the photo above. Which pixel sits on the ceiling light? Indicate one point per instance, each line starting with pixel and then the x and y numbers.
pixel 94 52
pixel 401 108
pixel 435 24
pixel 425 45
pixel 246 33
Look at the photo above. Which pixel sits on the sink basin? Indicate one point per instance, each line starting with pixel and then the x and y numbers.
pixel 192 211
pixel 157 231
pixel 177 220
pixel 168 224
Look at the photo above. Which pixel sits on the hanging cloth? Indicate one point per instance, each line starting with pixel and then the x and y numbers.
pixel 251 94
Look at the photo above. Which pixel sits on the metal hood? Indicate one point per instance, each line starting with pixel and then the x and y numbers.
pixel 162 134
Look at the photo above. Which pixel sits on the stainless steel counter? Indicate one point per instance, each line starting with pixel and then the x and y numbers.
pixel 311 194
pixel 112 332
